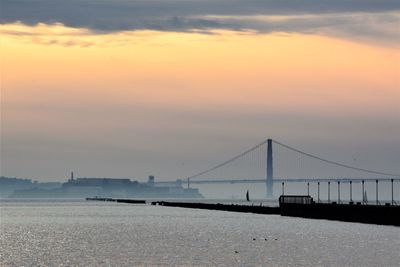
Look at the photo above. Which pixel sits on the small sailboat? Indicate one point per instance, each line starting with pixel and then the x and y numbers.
pixel 247 196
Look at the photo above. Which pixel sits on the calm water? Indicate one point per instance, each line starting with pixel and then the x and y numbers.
pixel 79 233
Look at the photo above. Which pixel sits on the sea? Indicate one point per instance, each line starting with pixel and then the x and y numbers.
pixel 67 232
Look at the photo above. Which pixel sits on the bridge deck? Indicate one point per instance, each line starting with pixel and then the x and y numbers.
pixel 294 180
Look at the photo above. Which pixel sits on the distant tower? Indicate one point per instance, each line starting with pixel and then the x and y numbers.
pixel 72 176
pixel 151 180
pixel 270 179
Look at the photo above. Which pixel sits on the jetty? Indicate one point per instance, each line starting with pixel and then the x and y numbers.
pixel 119 200
pixel 259 209
pixel 305 207
pixel 294 206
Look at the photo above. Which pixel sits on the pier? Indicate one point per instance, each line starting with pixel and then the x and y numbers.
pixel 293 206
pixel 372 214
pixel 305 207
pixel 119 200
pixel 259 209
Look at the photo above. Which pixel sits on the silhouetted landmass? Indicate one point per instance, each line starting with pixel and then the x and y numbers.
pixel 101 187
pixel 8 185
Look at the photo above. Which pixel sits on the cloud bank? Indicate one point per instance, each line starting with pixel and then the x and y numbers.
pixel 362 19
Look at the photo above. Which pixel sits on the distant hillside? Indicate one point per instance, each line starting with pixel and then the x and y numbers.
pixel 9 184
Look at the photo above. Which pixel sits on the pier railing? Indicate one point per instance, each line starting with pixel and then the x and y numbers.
pixel 295 199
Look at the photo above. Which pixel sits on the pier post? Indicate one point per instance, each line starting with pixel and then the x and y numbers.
pixel 329 192
pixel 363 192
pixel 351 191
pixel 270 179
pixel 391 181
pixel 308 189
pixel 338 194
pixel 377 199
pixel 318 193
pixel 283 188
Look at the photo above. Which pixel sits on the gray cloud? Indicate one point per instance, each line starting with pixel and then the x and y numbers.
pixel 358 18
pixel 382 27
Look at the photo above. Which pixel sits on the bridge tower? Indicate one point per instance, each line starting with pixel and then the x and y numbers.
pixel 270 179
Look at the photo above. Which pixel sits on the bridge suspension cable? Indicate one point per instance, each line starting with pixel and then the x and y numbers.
pixel 243 154
pixel 334 162
pixel 229 160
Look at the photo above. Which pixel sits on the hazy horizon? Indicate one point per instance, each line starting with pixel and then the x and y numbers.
pixel 170 88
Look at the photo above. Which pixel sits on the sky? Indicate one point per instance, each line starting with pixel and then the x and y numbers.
pixel 126 88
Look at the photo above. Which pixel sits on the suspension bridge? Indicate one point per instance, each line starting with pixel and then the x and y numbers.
pixel 272 162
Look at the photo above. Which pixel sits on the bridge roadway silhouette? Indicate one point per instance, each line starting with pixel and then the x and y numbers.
pixel 290 180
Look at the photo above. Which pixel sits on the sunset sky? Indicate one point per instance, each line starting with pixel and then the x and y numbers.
pixel 127 88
